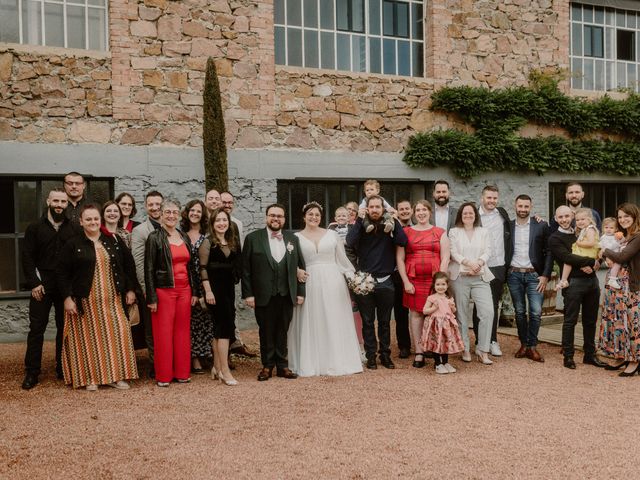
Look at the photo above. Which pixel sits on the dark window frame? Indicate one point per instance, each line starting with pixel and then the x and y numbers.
pixel 17 235
pixel 389 190
pixel 604 197
pixel 592 48
pixel 630 51
pixel 350 10
pixel 394 22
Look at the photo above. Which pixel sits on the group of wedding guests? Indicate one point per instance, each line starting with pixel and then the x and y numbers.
pixel 439 269
pixel 103 273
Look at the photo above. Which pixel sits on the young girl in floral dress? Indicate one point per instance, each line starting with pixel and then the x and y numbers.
pixel 440 333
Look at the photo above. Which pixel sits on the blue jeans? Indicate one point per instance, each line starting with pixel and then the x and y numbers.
pixel 522 286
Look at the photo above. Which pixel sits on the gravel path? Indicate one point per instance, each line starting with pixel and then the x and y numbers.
pixel 515 419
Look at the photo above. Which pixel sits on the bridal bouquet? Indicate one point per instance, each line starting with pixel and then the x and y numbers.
pixel 361 283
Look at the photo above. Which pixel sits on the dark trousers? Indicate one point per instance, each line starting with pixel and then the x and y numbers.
pixel 401 314
pixel 38 320
pixel 378 303
pixel 581 293
pixel 145 319
pixel 273 324
pixel 497 287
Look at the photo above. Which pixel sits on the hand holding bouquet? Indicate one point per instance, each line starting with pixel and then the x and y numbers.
pixel 360 283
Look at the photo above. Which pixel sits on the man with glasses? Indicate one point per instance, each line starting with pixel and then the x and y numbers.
pixel 74 187
pixel 270 261
pixel 152 203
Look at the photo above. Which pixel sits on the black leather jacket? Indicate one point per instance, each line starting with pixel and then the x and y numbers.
pixel 77 266
pixel 158 265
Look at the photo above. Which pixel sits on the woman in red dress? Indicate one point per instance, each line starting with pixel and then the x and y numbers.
pixel 426 253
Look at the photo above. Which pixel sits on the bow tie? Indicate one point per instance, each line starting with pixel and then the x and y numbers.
pixel 276 235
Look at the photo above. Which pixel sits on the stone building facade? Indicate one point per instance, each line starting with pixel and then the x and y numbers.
pixel 133 113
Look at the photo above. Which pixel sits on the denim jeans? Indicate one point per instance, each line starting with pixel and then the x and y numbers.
pixel 522 287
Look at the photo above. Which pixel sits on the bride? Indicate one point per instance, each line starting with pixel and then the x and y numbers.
pixel 322 337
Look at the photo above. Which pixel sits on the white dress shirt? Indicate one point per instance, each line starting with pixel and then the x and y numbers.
pixel 441 216
pixel 277 247
pixel 493 222
pixel 521 245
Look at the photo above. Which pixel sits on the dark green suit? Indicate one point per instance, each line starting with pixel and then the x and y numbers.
pixel 275 287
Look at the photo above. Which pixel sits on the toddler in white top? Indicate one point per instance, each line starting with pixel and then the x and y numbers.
pixel 371 188
pixel 614 241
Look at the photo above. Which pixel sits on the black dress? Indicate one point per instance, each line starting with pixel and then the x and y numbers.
pixel 221 266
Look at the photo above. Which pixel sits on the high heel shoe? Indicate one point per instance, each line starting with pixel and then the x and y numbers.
pixel 214 373
pixel 616 367
pixel 231 382
pixel 631 374
pixel 483 358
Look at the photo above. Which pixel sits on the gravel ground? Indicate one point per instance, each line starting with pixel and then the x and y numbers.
pixel 515 419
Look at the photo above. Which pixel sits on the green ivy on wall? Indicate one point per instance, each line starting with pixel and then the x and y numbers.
pixel 497 115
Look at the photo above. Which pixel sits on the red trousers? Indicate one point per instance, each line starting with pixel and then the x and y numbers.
pixel 171 325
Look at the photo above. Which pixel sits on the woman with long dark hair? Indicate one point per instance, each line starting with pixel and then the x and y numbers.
pixel 195 223
pixel 220 263
pixel 127 205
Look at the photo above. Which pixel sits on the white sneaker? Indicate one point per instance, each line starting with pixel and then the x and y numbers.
pixel 450 368
pixel 494 349
pixel 441 369
pixel 388 227
pixel 120 385
pixel 363 356
pixel 613 283
pixel 92 388
pixel 466 356
pixel 369 228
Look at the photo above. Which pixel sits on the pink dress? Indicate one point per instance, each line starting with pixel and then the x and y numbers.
pixel 440 333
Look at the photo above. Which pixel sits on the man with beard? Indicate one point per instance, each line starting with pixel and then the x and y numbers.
pixel 583 291
pixel 227 202
pixel 43 241
pixel 574 194
pixel 400 312
pixel 376 253
pixel 74 187
pixel 530 269
pixel 270 262
pixel 152 203
pixel 444 215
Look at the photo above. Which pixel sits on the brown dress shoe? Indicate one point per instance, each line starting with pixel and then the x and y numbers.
pixel 533 354
pixel 265 374
pixel 286 373
pixel 522 351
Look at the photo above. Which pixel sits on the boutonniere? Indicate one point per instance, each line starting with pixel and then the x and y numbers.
pixel 289 247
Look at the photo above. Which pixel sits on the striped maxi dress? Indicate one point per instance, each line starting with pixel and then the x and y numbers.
pixel 97 346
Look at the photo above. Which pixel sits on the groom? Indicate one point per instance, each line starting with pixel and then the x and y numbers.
pixel 270 260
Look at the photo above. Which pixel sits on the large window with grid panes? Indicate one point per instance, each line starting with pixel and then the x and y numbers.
pixel 605 40
pixel 331 194
pixel 603 197
pixel 24 198
pixel 375 36
pixel 56 23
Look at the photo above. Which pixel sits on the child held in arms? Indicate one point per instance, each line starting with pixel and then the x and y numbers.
pixel 341 223
pixel 372 188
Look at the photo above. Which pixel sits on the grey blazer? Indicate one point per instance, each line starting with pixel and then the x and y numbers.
pixel 450 221
pixel 138 240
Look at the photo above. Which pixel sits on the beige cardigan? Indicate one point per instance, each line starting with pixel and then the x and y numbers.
pixel 478 248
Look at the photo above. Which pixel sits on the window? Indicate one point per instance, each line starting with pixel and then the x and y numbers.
pixel 603 197
pixel 377 36
pixel 604 42
pixel 56 23
pixel 333 194
pixel 25 198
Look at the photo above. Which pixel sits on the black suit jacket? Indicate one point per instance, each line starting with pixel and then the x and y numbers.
pixel 539 253
pixel 507 234
pixel 258 267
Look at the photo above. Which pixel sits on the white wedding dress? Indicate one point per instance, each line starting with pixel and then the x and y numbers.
pixel 322 337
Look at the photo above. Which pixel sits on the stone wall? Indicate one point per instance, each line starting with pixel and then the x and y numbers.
pixel 496 42
pixel 148 88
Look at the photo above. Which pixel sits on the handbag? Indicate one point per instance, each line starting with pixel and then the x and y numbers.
pixel 134 314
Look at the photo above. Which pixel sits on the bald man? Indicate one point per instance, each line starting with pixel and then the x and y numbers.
pixel 583 291
pixel 212 200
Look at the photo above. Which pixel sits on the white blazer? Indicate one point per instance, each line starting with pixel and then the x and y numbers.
pixel 463 248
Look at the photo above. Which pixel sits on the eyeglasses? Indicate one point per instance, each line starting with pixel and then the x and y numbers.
pixel 171 212
pixel 271 215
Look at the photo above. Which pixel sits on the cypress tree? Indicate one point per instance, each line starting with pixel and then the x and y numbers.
pixel 216 173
